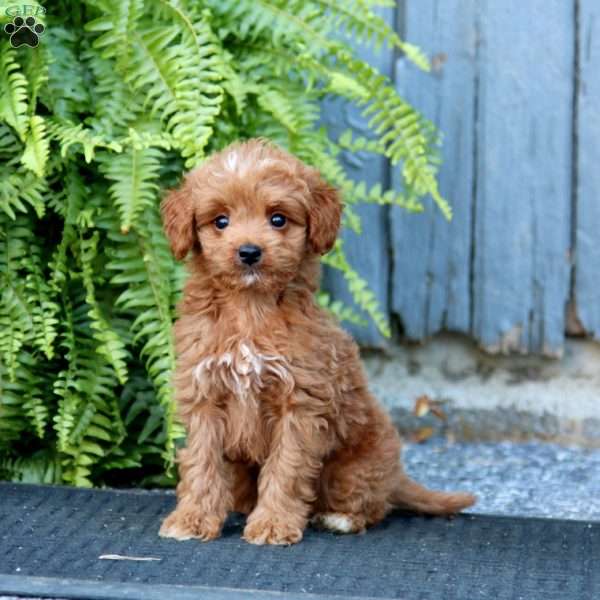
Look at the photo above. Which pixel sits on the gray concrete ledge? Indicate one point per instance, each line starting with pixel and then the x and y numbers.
pixel 492 397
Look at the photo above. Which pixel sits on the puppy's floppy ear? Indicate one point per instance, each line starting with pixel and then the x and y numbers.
pixel 324 212
pixel 178 221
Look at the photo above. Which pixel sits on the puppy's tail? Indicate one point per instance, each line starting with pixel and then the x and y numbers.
pixel 409 495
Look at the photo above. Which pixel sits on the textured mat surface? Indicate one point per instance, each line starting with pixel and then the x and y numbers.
pixel 52 534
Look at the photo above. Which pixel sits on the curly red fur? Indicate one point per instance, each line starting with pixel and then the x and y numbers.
pixel 280 423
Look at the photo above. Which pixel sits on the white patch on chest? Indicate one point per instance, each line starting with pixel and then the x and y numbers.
pixel 243 370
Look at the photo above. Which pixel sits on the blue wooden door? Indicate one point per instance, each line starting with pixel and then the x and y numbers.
pixel 515 91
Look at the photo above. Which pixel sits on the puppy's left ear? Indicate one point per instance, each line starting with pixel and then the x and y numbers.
pixel 324 212
pixel 178 221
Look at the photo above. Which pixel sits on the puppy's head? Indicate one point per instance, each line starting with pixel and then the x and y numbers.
pixel 252 213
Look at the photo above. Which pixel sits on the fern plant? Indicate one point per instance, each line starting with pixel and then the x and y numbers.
pixel 119 98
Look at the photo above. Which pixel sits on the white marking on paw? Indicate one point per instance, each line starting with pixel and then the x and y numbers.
pixel 175 533
pixel 335 522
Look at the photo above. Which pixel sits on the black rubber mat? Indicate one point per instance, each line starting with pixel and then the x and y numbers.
pixel 51 540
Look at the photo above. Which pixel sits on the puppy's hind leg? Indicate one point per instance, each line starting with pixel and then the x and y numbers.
pixel 363 482
pixel 356 483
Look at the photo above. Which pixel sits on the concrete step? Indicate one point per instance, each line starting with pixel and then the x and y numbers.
pixel 533 479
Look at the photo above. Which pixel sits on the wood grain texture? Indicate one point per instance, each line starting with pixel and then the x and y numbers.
pixel 431 276
pixel 501 92
pixel 523 201
pixel 587 275
pixel 368 253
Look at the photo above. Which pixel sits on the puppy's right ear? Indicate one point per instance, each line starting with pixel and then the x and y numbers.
pixel 178 221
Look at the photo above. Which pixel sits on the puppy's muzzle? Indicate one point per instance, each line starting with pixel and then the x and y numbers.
pixel 249 254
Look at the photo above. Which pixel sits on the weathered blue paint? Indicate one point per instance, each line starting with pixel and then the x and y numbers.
pixel 369 252
pixel 587 274
pixel 431 277
pixel 501 92
pixel 523 199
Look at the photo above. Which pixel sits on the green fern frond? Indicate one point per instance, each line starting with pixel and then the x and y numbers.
pixel 44 310
pixel 135 174
pixel 406 136
pixel 116 105
pixel 16 318
pixel 69 206
pixel 20 187
pixel 281 107
pixel 361 24
pixel 22 402
pixel 111 347
pixel 67 92
pixel 35 70
pixel 35 402
pixel 342 312
pixel 116 26
pixel 362 295
pixel 8 141
pixel 138 261
pixel 13 91
pixel 348 141
pixel 69 134
pixel 41 467
pixel 176 69
pixel 88 423
pixel 37 146
pixel 91 123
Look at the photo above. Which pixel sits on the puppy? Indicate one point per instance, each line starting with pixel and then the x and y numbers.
pixel 280 424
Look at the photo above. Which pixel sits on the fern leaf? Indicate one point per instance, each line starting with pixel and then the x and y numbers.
pixel 19 188
pixel 41 467
pixel 37 147
pixel 67 92
pixel 361 293
pixel 138 261
pixel 69 135
pixel 88 422
pixel 22 408
pixel 340 310
pixel 13 91
pixel 134 173
pixel 16 320
pixel 110 345
pixel 361 24
pixel 116 26
pixel 44 310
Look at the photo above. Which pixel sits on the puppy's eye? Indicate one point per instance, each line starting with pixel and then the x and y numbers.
pixel 278 220
pixel 221 221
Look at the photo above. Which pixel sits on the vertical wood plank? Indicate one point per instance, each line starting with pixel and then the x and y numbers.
pixel 587 274
pixel 368 252
pixel 431 276
pixel 523 201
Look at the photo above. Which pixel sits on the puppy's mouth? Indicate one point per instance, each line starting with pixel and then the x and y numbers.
pixel 250 276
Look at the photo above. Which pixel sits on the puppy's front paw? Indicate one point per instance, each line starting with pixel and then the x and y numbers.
pixel 185 524
pixel 269 529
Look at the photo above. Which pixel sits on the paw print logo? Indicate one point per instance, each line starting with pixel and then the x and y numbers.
pixel 24 31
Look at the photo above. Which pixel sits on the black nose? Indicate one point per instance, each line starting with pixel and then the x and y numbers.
pixel 249 254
